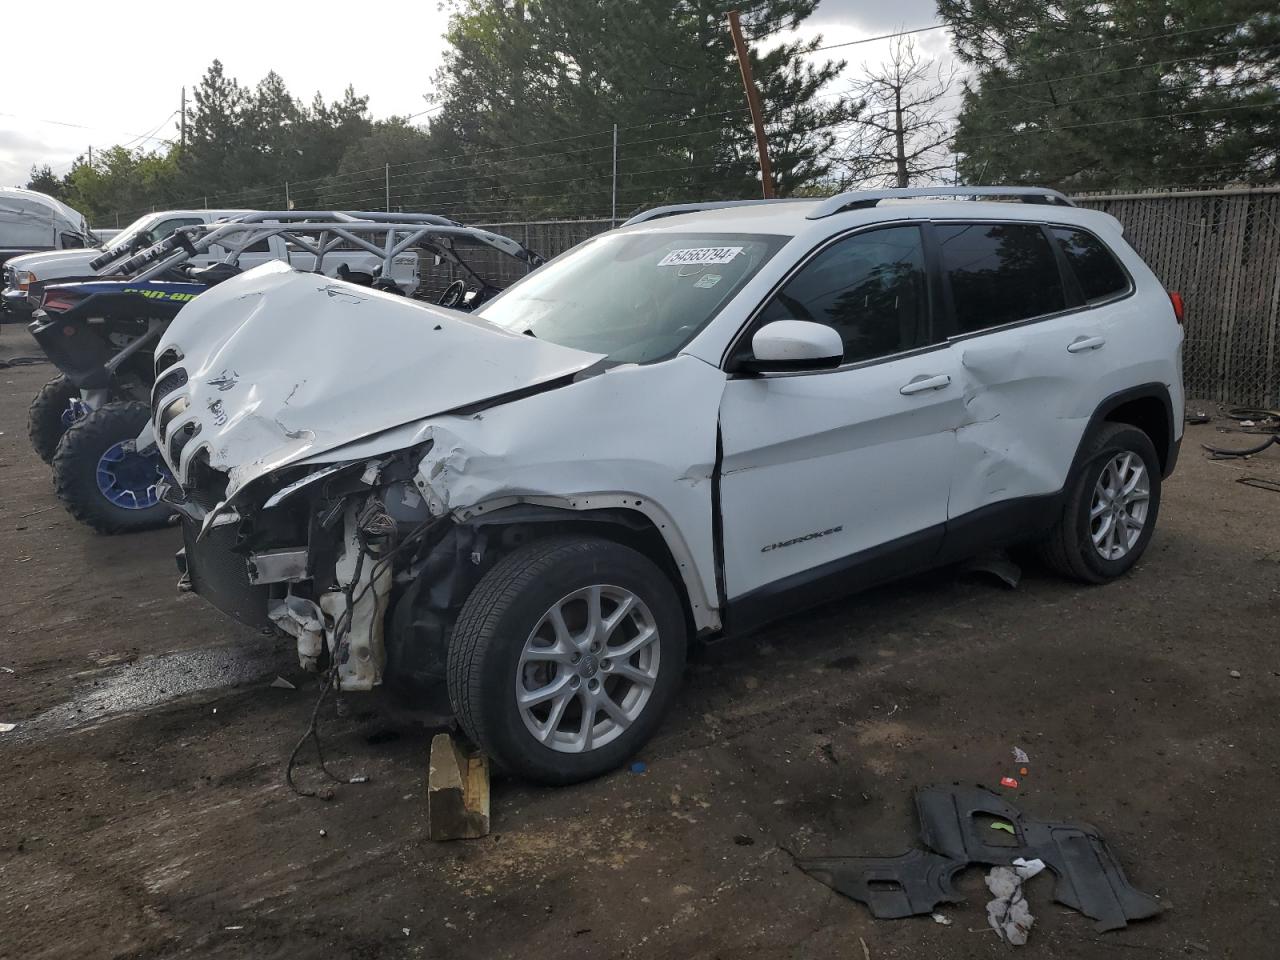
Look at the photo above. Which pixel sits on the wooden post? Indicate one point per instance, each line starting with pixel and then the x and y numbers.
pixel 457 792
pixel 753 101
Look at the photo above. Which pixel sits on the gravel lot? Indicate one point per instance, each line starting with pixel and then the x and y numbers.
pixel 143 814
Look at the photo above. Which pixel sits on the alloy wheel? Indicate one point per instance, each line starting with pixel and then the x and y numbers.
pixel 1118 511
pixel 588 669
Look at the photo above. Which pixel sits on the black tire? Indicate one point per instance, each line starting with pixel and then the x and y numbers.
pixel 500 614
pixel 1069 548
pixel 75 467
pixel 44 418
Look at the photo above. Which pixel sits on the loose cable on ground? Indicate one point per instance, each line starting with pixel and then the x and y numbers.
pixel 340 631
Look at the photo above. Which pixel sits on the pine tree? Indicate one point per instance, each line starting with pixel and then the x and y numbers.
pixel 557 74
pixel 219 158
pixel 1130 93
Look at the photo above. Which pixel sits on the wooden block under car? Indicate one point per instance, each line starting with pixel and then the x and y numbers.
pixel 457 792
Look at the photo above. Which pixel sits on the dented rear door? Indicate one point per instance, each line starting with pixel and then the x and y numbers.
pixel 1030 355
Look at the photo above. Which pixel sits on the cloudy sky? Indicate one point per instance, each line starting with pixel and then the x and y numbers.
pixel 113 74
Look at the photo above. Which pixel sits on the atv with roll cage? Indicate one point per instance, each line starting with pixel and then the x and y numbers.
pixel 101 334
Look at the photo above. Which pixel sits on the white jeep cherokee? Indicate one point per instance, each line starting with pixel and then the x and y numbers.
pixel 700 422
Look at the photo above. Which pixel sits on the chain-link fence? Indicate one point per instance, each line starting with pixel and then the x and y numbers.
pixel 1219 248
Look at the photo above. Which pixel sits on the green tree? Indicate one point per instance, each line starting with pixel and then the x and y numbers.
pixel 1127 93
pixel 243 145
pixel 119 185
pixel 553 76
pixel 359 179
pixel 273 118
pixel 43 180
pixel 221 153
pixel 324 134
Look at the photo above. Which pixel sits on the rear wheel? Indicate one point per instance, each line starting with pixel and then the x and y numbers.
pixel 101 478
pixel 49 416
pixel 565 657
pixel 1111 507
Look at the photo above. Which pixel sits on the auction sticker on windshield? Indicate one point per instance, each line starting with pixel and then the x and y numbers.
pixel 699 255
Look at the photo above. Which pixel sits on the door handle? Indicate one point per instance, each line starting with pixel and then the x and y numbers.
pixel 1081 344
pixel 921 384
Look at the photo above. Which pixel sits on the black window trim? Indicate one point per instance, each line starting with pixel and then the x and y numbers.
pixel 932 286
pixel 1071 289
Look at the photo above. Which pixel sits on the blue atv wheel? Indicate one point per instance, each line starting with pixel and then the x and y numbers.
pixel 102 480
pixel 130 479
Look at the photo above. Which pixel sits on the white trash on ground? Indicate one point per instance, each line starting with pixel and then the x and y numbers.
pixel 1009 914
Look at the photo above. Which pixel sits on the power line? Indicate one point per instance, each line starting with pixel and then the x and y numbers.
pixel 1191 87
pixel 81 126
pixel 421 113
pixel 148 136
pixel 1104 123
pixel 1157 36
pixel 1158 64
pixel 886 36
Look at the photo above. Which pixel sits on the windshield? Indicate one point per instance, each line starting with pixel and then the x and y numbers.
pixel 123 238
pixel 637 297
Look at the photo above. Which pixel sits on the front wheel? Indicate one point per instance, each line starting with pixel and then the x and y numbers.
pixel 1111 507
pixel 565 657
pixel 102 480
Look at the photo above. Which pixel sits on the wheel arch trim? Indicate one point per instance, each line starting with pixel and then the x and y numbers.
pixel 608 508
pixel 1145 391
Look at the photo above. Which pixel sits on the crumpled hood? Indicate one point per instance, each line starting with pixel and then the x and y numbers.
pixel 282 366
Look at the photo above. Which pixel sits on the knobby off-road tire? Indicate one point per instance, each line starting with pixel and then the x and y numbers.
pixel 76 463
pixel 494 630
pixel 1070 549
pixel 44 418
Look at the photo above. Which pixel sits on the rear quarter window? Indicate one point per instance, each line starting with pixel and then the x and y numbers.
pixel 1096 269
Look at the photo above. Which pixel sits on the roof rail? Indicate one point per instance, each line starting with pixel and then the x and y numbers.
pixel 858 199
pixel 677 208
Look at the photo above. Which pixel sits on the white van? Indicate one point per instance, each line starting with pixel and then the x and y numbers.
pixel 31 221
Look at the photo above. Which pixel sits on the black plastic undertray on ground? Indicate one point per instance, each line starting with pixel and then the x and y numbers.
pixel 952 824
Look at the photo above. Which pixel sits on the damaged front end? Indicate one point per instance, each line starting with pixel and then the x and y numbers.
pixel 358 561
pixel 314 556
pixel 295 459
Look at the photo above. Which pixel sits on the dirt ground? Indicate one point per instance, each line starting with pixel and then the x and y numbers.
pixel 143 813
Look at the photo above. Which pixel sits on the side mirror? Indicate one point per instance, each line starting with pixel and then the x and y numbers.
pixel 787 345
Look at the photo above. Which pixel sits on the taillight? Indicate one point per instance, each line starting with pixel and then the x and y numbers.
pixel 1179 309
pixel 58 302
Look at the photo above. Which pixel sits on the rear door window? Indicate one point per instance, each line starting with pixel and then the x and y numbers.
pixel 999 273
pixel 1095 267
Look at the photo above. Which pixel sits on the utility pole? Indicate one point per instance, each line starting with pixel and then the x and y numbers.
pixel 91 154
pixel 613 213
pixel 182 120
pixel 388 182
pixel 753 101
